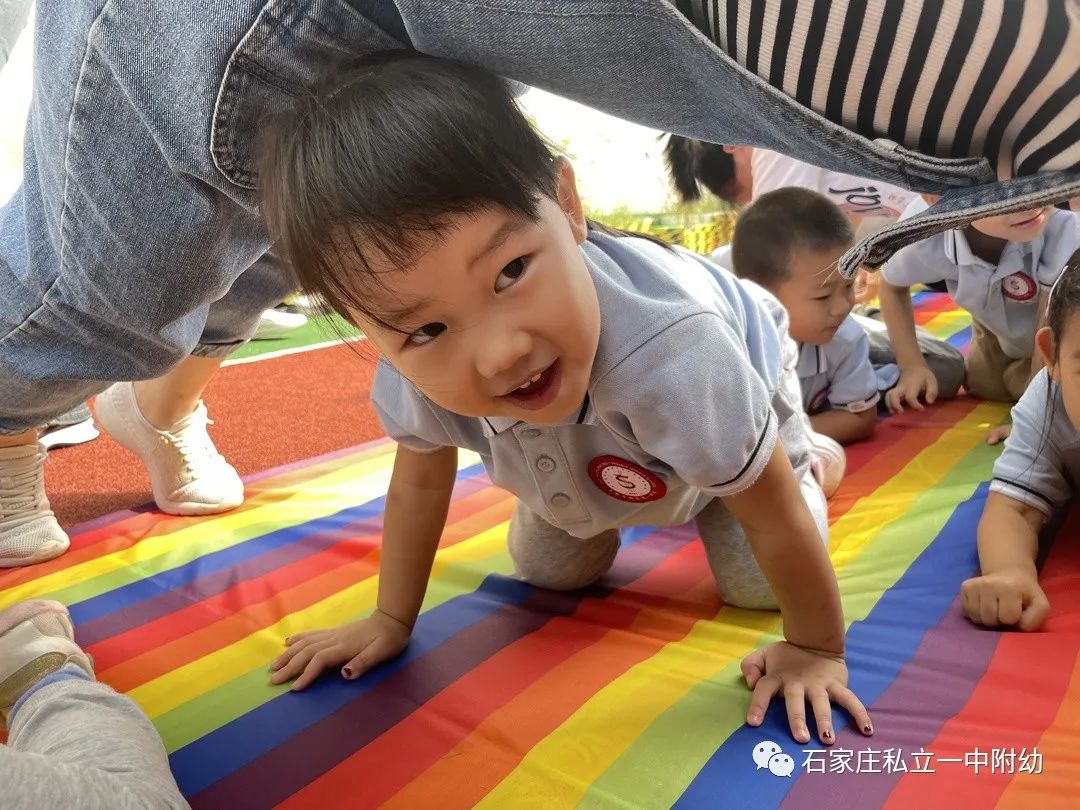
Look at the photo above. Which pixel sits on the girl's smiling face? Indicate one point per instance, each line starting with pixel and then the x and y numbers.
pixel 499 316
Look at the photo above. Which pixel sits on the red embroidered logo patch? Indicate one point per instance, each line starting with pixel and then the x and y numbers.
pixel 1019 287
pixel 625 480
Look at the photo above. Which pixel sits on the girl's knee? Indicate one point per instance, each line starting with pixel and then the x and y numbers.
pixel 748 595
pixel 564 567
pixel 558 580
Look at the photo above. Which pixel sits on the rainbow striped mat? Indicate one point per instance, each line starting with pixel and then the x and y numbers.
pixel 625 695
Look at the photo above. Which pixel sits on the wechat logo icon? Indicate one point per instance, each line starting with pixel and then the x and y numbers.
pixel 768 754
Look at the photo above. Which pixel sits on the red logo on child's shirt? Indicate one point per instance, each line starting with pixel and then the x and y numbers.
pixel 1019 287
pixel 625 480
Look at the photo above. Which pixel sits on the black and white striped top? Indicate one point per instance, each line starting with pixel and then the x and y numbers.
pixel 955 78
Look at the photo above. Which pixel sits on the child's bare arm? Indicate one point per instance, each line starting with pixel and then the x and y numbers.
pixel 417 502
pixel 1007 591
pixel 844 426
pixel 810 665
pixel 416 506
pixel 915 376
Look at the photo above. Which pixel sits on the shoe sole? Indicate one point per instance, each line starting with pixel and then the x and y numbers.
pixel 39 557
pixel 70 435
pixel 105 411
pixel 186 509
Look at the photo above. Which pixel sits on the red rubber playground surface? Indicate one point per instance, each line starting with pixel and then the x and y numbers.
pixel 266 414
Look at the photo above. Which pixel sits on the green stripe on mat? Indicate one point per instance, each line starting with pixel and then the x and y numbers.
pixel 317 330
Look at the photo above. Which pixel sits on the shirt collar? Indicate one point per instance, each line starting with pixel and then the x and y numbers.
pixel 494 425
pixel 958 251
pixel 812 361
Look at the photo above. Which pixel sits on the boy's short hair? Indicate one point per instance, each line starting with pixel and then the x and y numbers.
pixel 779 223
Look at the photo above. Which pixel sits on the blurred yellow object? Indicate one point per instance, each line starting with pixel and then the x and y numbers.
pixel 704 237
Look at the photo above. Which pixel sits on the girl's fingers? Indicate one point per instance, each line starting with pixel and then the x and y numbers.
pixel 795 700
pixel 822 707
pixel 764 690
pixel 844 697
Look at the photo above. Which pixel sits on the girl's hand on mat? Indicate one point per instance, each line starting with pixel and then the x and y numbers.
pixel 998 434
pixel 915 382
pixel 802 676
pixel 1005 599
pixel 358 645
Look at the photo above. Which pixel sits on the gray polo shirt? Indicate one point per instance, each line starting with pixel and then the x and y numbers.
pixel 839 375
pixel 679 407
pixel 1002 297
pixel 1042 455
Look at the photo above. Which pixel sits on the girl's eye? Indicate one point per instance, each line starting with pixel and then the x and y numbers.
pixel 425 334
pixel 510 274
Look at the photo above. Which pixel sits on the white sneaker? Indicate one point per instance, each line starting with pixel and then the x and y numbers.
pixel 69 429
pixel 36 639
pixel 29 532
pixel 274 323
pixel 310 305
pixel 187 473
pixel 828 461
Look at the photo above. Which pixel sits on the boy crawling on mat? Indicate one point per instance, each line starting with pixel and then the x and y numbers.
pixel 789 241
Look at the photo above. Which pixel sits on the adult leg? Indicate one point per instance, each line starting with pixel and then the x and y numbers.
pixel 164 420
pixel 122 235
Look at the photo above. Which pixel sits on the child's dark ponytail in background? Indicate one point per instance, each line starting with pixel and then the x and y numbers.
pixel 692 164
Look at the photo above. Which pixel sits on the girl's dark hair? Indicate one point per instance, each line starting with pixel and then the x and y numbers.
pixel 376 161
pixel 693 164
pixel 1064 300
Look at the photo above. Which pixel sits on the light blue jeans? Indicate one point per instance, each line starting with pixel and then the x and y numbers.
pixel 138 211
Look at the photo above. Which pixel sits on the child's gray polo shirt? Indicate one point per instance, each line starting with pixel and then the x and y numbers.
pixel 838 375
pixel 1042 455
pixel 679 408
pixel 1002 297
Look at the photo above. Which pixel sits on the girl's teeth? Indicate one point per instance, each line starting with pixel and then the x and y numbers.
pixel 530 382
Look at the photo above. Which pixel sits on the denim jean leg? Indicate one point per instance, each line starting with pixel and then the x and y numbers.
pixel 138 211
pixel 123 234
pixel 233 319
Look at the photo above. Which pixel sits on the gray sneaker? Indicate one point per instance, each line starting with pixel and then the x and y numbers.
pixel 71 428
pixel 29 532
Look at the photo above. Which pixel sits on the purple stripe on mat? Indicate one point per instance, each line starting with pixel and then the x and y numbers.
pixel 931 688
